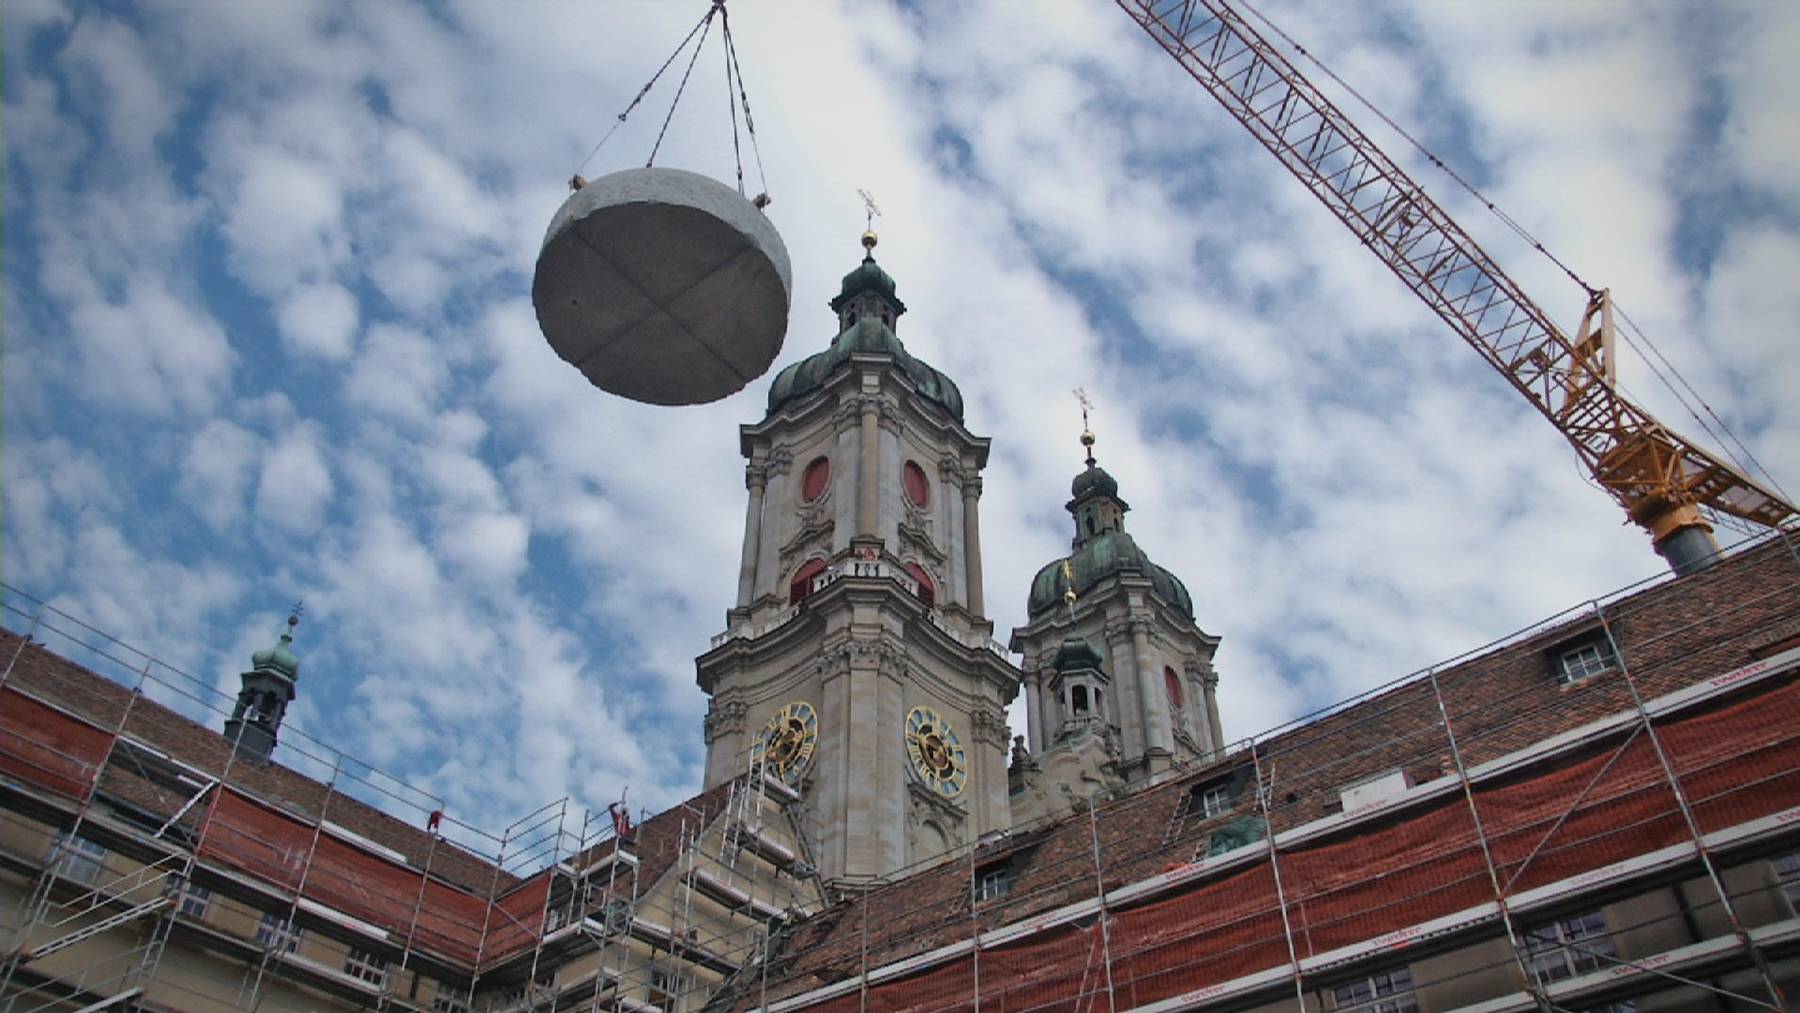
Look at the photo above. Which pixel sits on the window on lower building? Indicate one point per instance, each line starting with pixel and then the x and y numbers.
pixel 666 987
pixel 195 899
pixel 1205 801
pixel 1570 946
pixel 370 967
pixel 277 933
pixel 1212 799
pixel 994 881
pixel 1388 992
pixel 1787 874
pixel 1584 660
pixel 447 1002
pixel 76 858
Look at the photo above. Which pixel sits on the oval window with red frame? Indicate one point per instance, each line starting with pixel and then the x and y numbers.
pixel 816 480
pixel 801 585
pixel 1172 683
pixel 927 591
pixel 918 488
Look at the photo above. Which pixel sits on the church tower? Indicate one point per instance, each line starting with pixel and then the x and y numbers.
pixel 263 697
pixel 857 663
pixel 1119 682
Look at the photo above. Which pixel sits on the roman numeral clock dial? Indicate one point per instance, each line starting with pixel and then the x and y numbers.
pixel 785 745
pixel 936 753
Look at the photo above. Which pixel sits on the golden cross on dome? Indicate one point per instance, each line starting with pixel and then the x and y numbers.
pixel 870 211
pixel 869 206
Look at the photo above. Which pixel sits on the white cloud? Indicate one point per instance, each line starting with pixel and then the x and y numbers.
pixel 295 486
pixel 152 352
pixel 1760 130
pixel 320 320
pixel 399 374
pixel 216 472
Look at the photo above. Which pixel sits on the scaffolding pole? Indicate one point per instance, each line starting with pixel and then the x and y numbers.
pixel 1101 918
pixel 35 905
pixel 1487 855
pixel 293 912
pixel 1776 994
pixel 1263 787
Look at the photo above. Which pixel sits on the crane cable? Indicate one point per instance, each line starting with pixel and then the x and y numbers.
pixel 1631 328
pixel 706 23
pixel 645 90
pixel 731 63
pixel 735 94
pixel 1726 442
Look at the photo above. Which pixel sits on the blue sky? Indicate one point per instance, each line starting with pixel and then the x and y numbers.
pixel 268 335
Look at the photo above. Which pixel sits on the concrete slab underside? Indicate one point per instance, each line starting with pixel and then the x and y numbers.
pixel 663 286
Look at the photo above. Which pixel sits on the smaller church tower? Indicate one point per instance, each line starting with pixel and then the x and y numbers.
pixel 262 701
pixel 1119 681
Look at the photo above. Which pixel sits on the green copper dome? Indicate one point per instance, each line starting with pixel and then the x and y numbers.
pixel 868 277
pixel 1076 654
pixel 1094 480
pixel 279 660
pixel 1105 555
pixel 864 332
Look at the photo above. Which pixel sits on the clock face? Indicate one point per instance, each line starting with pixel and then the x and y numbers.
pixel 936 753
pixel 785 744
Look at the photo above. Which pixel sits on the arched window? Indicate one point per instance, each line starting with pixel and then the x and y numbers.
pixel 918 488
pixel 927 591
pixel 801 586
pixel 816 480
pixel 1172 683
pixel 1078 700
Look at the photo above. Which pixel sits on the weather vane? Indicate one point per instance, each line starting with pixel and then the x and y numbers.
pixel 870 208
pixel 1087 434
pixel 295 613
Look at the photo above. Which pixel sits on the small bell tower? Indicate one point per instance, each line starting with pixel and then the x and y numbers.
pixel 262 700
pixel 1112 652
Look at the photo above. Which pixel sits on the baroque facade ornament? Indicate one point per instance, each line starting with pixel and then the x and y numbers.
pixel 724 719
pixel 780 460
pixel 990 727
pixel 918 537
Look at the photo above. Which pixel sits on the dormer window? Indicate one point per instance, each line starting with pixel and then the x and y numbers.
pixel 1583 659
pixel 993 882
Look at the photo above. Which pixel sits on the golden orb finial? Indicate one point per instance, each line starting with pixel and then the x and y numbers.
pixel 870 210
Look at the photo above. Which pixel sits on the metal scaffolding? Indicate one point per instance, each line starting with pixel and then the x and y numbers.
pixel 1545 842
pixel 1481 832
